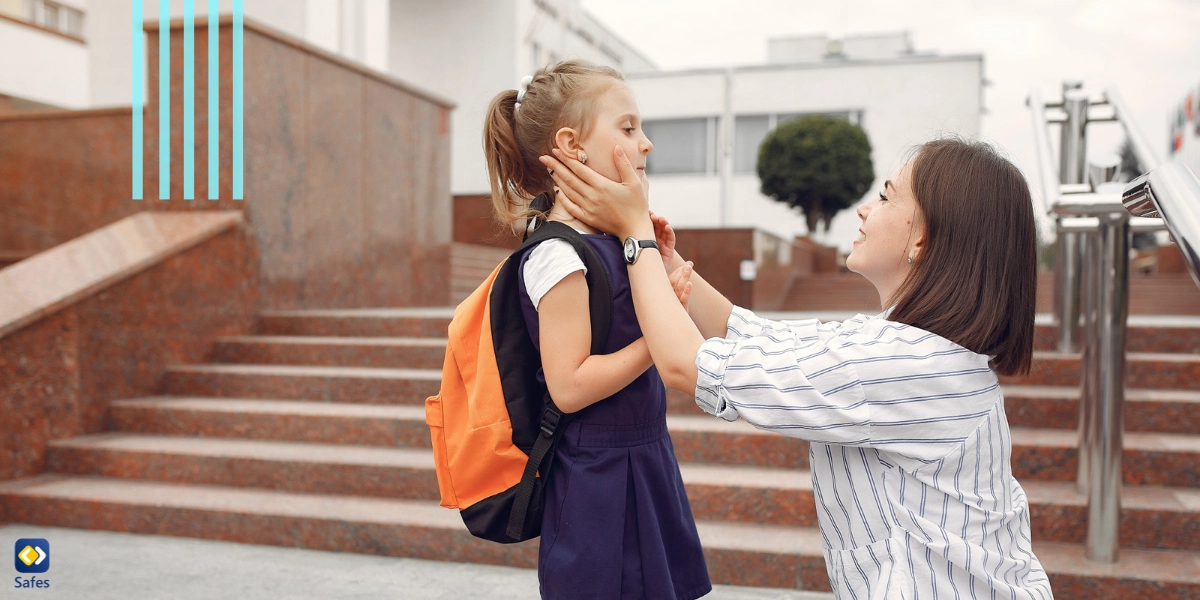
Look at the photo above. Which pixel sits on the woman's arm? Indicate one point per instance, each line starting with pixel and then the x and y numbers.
pixel 671 335
pixel 708 308
pixel 577 379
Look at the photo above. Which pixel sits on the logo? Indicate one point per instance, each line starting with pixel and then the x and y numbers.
pixel 32 555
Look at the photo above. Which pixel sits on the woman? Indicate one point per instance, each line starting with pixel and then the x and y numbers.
pixel 909 441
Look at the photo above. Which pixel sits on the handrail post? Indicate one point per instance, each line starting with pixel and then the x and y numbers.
pixel 1108 354
pixel 1072 168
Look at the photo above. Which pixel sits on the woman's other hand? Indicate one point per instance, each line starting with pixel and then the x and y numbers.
pixel 681 283
pixel 664 234
pixel 617 207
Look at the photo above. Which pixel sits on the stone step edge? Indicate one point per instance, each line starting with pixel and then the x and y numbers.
pixel 1145 498
pixel 1057 558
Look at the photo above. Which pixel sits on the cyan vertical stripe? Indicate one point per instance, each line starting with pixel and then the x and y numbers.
pixel 237 99
pixel 214 101
pixel 139 74
pixel 164 100
pixel 189 100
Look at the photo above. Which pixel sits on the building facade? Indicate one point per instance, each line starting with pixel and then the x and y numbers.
pixel 707 124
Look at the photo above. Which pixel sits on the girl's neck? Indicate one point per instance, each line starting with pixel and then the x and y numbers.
pixel 558 214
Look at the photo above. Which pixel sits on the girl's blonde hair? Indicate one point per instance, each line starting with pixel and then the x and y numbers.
pixel 561 95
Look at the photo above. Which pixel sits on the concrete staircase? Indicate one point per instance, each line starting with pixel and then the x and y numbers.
pixel 312 434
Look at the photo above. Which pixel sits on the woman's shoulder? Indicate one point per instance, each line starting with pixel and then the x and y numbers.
pixel 881 330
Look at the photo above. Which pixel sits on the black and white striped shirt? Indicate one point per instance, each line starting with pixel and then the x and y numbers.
pixel 909 451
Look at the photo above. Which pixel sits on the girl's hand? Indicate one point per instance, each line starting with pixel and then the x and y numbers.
pixel 681 283
pixel 617 207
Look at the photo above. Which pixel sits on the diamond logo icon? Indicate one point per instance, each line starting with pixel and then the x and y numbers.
pixel 32 555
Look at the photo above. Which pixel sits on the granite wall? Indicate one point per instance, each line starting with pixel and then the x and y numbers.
pixel 346 171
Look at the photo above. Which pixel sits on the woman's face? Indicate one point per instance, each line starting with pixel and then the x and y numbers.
pixel 617 123
pixel 893 229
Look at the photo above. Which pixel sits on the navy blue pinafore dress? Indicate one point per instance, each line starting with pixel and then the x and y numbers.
pixel 617 523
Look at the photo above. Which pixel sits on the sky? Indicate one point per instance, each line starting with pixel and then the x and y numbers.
pixel 1148 49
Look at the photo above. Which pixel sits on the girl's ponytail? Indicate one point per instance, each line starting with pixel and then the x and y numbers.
pixel 506 165
pixel 562 95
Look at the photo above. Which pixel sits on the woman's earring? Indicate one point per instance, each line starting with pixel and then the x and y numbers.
pixel 583 157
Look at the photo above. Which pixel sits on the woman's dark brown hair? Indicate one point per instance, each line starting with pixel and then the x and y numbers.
pixel 975 280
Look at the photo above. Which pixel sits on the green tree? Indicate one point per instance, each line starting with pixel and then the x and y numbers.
pixel 818 164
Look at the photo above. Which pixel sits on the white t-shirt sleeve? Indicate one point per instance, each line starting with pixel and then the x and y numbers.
pixel 549 263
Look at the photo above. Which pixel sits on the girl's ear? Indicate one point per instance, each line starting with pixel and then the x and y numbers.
pixel 567 141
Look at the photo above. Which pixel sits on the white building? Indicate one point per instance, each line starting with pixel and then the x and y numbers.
pixel 707 124
pixel 77 53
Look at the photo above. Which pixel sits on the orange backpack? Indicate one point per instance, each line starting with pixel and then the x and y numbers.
pixel 493 424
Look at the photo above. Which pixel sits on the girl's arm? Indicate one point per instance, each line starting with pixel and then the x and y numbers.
pixel 575 377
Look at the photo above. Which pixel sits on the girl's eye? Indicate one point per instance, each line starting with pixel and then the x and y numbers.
pixel 629 129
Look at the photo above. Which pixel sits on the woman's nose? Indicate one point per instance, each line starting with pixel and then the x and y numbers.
pixel 862 211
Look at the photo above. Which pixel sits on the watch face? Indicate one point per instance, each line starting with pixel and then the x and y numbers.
pixel 630 250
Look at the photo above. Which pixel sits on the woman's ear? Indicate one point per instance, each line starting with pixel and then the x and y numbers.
pixel 567 141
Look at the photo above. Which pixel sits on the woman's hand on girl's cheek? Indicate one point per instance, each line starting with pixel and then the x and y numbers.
pixel 616 207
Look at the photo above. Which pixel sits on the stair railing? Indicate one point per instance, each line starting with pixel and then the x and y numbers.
pixel 1092 239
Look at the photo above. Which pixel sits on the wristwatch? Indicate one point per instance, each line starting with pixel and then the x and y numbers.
pixel 633 248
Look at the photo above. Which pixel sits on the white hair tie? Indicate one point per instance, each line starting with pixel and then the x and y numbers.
pixel 522 87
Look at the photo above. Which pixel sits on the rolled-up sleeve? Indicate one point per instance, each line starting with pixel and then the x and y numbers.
pixel 866 381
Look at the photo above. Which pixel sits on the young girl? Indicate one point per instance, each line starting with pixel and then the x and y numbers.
pixel 910 444
pixel 616 523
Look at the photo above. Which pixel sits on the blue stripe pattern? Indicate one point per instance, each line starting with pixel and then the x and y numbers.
pixel 164 99
pixel 909 451
pixel 139 77
pixel 189 100
pixel 237 99
pixel 214 101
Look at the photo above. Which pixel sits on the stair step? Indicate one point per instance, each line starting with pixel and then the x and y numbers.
pixel 292 382
pixel 384 322
pixel 1142 370
pixel 280 420
pixel 287 466
pixel 391 352
pixel 1163 411
pixel 1153 517
pixel 1166 459
pixel 782 557
pixel 736 553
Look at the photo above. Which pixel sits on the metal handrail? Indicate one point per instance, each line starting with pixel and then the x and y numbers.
pixel 1172 192
pixel 1093 230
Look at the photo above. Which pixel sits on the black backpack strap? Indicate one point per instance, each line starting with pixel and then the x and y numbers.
pixel 554 421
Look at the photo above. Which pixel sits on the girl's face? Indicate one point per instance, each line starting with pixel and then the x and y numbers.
pixel 617 123
pixel 892 230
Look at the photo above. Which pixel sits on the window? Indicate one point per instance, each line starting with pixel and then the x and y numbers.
pixel 751 130
pixel 681 145
pixel 748 135
pixel 52 16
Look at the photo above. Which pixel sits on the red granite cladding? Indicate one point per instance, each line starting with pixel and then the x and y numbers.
pixel 62 174
pixel 1164 411
pixel 414 353
pixel 1139 337
pixel 701 438
pixel 392 322
pixel 1143 370
pixel 58 374
pixel 378 526
pixel 346 175
pixel 286 421
pixel 291 467
pixel 322 384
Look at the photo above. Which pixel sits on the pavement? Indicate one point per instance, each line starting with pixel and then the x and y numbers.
pixel 104 565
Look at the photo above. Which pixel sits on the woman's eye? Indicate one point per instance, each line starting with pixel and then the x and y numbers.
pixel 882 197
